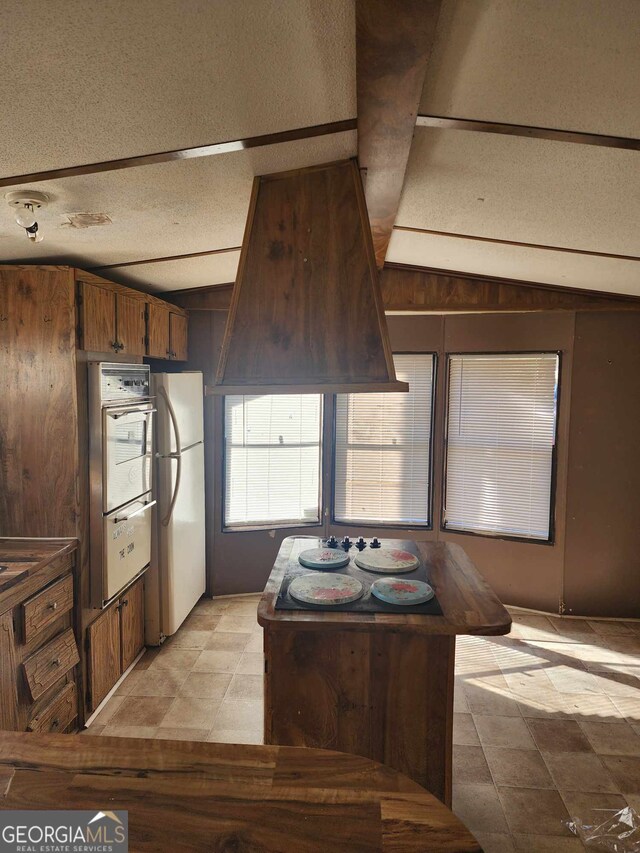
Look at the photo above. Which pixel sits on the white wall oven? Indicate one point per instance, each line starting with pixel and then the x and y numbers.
pixel 121 421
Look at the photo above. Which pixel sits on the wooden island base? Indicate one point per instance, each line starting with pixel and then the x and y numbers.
pixel 378 685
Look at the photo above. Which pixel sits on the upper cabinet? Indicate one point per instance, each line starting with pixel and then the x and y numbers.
pixel 114 318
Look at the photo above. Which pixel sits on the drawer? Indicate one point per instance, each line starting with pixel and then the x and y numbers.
pixel 57 715
pixel 47 606
pixel 50 663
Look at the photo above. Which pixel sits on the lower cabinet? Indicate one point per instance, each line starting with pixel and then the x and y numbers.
pixel 115 639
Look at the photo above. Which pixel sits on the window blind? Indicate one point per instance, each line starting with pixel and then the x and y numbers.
pixel 501 428
pixel 272 459
pixel 383 450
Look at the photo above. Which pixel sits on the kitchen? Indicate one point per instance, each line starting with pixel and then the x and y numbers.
pixel 227 341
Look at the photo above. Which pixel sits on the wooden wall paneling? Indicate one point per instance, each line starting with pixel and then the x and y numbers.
pixel 158 341
pixel 98 311
pixel 393 45
pixel 104 664
pixel 178 336
pixel 8 688
pixel 131 607
pixel 306 278
pixel 131 325
pixel 38 408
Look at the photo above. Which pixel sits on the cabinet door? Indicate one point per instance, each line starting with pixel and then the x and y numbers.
pixel 132 623
pixel 131 325
pixel 104 654
pixel 98 319
pixel 158 331
pixel 178 337
pixel 8 675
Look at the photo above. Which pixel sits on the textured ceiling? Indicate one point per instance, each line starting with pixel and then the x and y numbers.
pixel 85 82
pixel 568 64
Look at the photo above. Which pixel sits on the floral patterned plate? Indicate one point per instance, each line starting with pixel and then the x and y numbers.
pixel 323 558
pixel 387 560
pixel 326 589
pixel 402 591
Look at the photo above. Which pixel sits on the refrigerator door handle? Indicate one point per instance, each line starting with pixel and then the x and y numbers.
pixel 177 455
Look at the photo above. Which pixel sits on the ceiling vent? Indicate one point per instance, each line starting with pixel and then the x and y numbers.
pixel 306 314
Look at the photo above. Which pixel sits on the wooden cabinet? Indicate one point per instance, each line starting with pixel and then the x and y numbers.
pixel 38 651
pixel 114 318
pixel 115 639
pixel 110 321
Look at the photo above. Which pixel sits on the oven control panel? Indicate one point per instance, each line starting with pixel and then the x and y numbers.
pixel 123 382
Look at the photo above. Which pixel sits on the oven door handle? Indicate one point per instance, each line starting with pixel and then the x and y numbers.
pixel 131 515
pixel 119 413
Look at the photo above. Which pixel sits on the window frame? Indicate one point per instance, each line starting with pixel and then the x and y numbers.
pixel 279 525
pixel 373 525
pixel 486 534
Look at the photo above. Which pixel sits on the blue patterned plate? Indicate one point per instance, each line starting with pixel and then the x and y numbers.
pixel 401 591
pixel 323 558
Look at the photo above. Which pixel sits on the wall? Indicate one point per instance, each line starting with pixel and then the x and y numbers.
pixel 536 575
pixel 602 556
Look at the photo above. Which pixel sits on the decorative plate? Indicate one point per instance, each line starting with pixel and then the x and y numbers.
pixel 326 589
pixel 387 560
pixel 323 558
pixel 402 591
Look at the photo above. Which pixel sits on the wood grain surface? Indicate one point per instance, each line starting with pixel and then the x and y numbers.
pixel 26 557
pixel 50 663
pixel 192 796
pixel 469 606
pixel 306 308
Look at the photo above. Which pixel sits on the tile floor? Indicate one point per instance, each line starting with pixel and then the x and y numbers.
pixel 546 724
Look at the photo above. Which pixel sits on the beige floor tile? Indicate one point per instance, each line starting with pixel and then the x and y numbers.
pixel 180 659
pixel 460 704
pixel 125 688
pixel 623 681
pixel 141 711
pixel 493 842
pixel 240 715
pixel 547 704
pixel 201 620
pixel 610 628
pixel 579 771
pixel 568 679
pixel 595 707
pixel 148 732
pixel 558 736
pixel 510 732
pixel 147 658
pixel 237 623
pixel 479 808
pixel 227 641
pixel 628 707
pixel 582 805
pixel 246 687
pixel 181 734
pixel 189 638
pixel 529 627
pixel 158 682
pixel 612 738
pixel 531 680
pixel 234 736
pixel 546 844
pixel 470 765
pixel 625 770
pixel 191 713
pixel 520 768
pixel 528 808
pixel 251 663
pixel 567 625
pixel 106 714
pixel 206 685
pixel 492 701
pixel 213 661
pixel 212 605
pixel 256 642
pixel 464 730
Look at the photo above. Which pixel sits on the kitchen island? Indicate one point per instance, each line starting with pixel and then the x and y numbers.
pixel 192 796
pixel 378 684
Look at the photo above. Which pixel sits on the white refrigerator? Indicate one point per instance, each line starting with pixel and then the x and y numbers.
pixel 177 577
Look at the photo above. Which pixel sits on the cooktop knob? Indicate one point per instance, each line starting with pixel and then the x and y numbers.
pixel 375 543
pixel 346 543
pixel 361 544
pixel 332 542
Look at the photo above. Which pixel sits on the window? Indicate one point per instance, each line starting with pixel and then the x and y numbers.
pixel 272 460
pixel 383 450
pixel 501 428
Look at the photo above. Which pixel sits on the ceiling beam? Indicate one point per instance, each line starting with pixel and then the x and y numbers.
pixel 393 45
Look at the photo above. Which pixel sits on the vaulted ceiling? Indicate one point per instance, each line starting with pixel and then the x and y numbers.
pixel 87 82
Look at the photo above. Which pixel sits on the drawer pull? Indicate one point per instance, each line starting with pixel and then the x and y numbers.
pixel 55 724
pixel 52 606
pixel 56 662
pixel 44 667
pixel 46 607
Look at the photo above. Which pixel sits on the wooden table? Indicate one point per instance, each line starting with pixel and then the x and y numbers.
pixel 375 684
pixel 184 796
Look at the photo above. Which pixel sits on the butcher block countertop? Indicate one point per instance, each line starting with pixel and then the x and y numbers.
pixel 21 558
pixel 469 605
pixel 188 796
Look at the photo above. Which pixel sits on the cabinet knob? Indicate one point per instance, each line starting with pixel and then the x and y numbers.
pixel 53 605
pixel 55 724
pixel 56 662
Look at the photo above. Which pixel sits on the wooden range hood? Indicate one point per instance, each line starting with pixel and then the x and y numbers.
pixel 306 313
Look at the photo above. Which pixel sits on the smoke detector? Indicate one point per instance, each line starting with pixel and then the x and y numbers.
pixel 25 204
